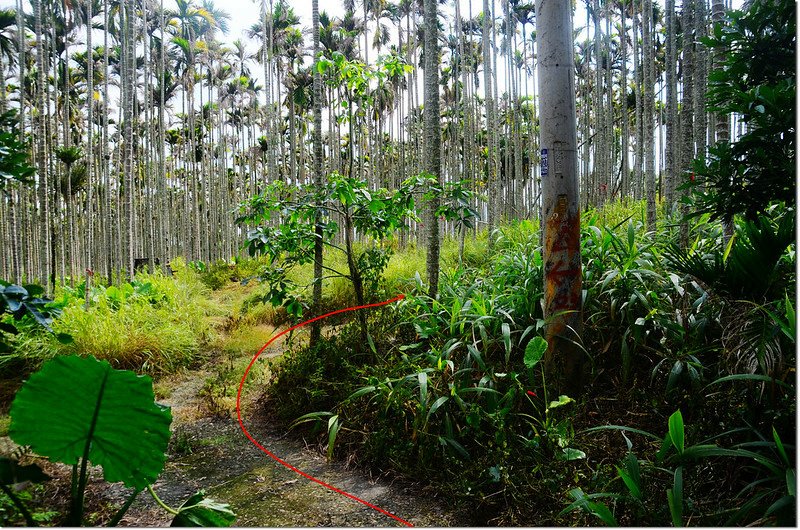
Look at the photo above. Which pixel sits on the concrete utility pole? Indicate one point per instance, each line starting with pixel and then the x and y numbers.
pixel 560 195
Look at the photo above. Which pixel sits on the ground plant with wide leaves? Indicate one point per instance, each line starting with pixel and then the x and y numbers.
pixel 109 418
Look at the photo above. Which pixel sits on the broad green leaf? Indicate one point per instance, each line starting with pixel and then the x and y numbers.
pixel 781 449
pixel 666 444
pixel 476 354
pixel 728 248
pixel 608 277
pixel 597 509
pixel 631 236
pixel 311 416
pixel 74 404
pixel 333 430
pixel 436 404
pixel 789 329
pixel 199 511
pixel 674 510
pixel 674 375
pixel 64 338
pixel 676 433
pixel 784 502
pixel 636 493
pixel 676 498
pixel 455 445
pixel 749 377
pixel 623 429
pixel 706 451
pixel 506 339
pixel 361 392
pixel 534 351
pixel 562 400
pixel 423 388
pixel 631 475
pixel 601 511
pixel 570 453
pixel 791 483
pixel 33 289
pixel 13 473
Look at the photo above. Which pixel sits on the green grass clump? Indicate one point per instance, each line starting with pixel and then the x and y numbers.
pixel 244 340
pixel 402 267
pixel 156 323
pixel 217 275
pixel 616 212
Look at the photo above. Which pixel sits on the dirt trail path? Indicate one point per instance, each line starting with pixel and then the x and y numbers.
pixel 261 491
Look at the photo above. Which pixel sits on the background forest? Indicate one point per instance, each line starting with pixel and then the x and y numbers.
pixel 184 127
pixel 174 194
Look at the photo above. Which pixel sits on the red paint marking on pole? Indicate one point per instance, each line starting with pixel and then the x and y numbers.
pixel 272 455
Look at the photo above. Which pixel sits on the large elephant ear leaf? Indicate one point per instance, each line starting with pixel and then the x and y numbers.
pixel 199 511
pixel 78 407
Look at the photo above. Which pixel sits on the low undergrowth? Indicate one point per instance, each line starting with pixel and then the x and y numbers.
pixel 453 394
pixel 154 324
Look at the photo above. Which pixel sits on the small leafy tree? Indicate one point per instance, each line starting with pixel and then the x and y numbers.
pixel 287 219
pixel 756 82
pixel 374 215
pixel 355 82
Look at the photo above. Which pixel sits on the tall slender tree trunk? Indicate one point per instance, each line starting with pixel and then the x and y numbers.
pixel 625 184
pixel 496 189
pixel 687 104
pixel 491 154
pixel 317 164
pixel 600 146
pixel 89 212
pixel 18 215
pixel 638 164
pixel 128 103
pixel 42 163
pixel 433 140
pixel 649 110
pixel 163 226
pixel 608 179
pixel 3 103
pixel 560 195
pixel 672 108
pixel 722 126
pixel 700 78
pixel 722 131
pixel 106 225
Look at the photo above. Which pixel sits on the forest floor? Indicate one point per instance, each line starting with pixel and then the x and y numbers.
pixel 209 451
